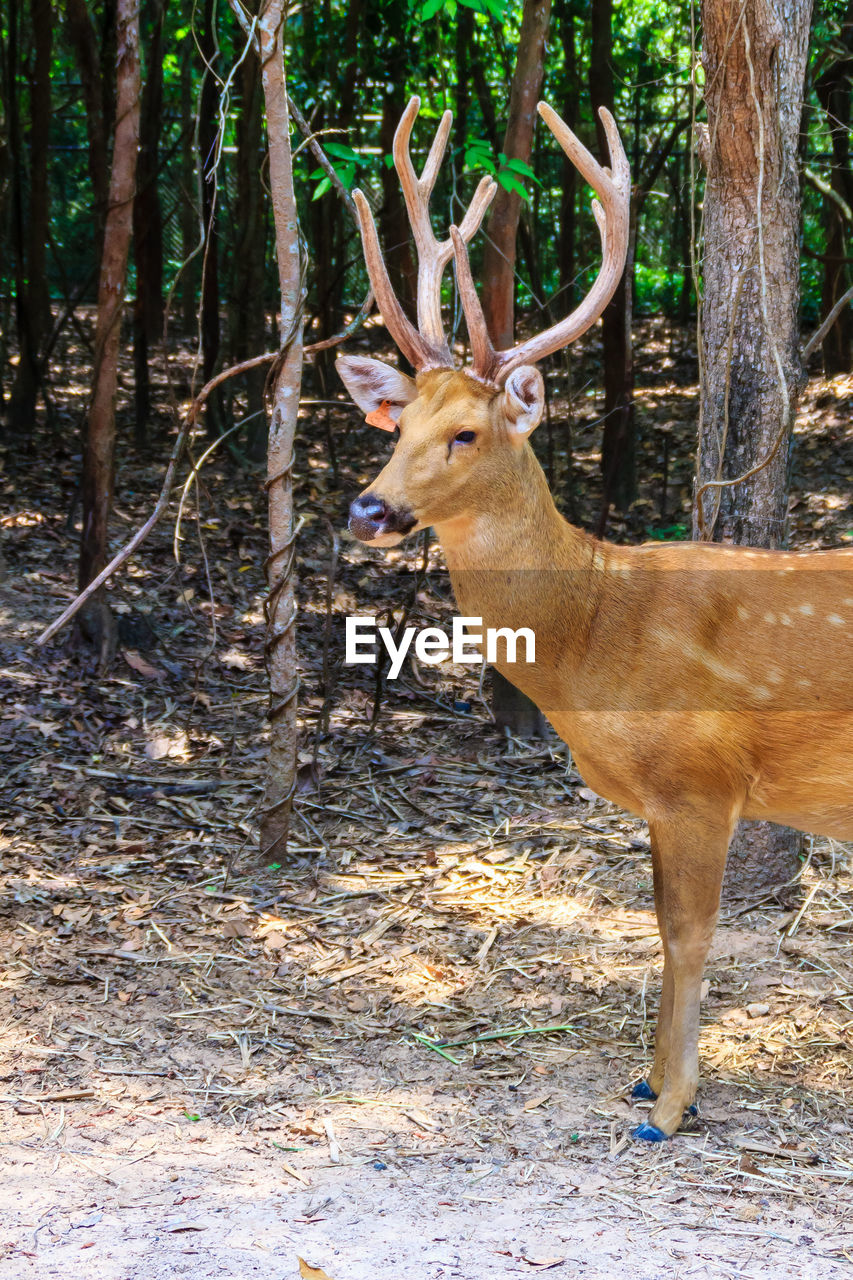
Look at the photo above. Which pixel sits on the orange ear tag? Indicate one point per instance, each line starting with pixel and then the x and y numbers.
pixel 381 417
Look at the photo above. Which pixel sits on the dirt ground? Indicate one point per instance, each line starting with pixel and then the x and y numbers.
pixel 408 1051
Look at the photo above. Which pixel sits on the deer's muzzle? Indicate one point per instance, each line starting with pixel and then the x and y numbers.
pixel 371 518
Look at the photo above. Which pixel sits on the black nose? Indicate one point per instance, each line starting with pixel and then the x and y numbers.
pixel 368 507
pixel 369 516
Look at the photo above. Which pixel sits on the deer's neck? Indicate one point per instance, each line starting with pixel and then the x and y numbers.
pixel 518 563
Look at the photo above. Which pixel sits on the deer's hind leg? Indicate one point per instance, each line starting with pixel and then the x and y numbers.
pixel 689 852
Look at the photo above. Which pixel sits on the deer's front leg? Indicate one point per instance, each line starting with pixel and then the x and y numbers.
pixel 690 857
pixel 648 1090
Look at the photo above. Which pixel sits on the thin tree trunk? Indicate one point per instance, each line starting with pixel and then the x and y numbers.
pixel 569 104
pixel 513 710
pixel 281 606
pixel 33 294
pixel 248 313
pixel 833 91
pixel 148 219
pixel 207 132
pixel 99 452
pixel 618 450
pixel 81 33
pixel 41 13
pixel 393 221
pixel 755 60
pixel 499 253
pixel 189 193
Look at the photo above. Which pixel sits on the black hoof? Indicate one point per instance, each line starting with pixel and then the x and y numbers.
pixel 693 1110
pixel 648 1133
pixel 643 1092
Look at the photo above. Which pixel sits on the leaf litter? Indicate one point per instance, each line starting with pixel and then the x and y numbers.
pixel 439 1003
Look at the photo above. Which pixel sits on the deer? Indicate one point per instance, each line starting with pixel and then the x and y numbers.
pixel 695 683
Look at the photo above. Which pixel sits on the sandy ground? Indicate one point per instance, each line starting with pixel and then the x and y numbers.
pixel 81 1199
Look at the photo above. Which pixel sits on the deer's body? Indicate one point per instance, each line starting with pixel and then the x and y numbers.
pixel 695 684
pixel 674 668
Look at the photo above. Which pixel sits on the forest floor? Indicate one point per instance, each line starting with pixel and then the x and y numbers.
pixel 407 1052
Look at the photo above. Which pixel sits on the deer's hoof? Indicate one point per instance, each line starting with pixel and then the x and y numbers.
pixel 649 1133
pixel 643 1092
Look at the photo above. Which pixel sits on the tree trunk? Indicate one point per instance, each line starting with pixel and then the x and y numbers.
pixel 148 218
pixel 833 91
pixel 248 311
pixel 189 194
pixel 207 133
pixel 569 103
pixel 41 14
pixel 281 605
pixel 99 452
pixel 618 449
pixel 755 59
pixel 513 710
pixel 500 249
pixel 32 292
pixel 82 36
pixel 393 220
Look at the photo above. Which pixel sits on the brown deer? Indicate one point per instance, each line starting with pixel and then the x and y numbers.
pixel 695 683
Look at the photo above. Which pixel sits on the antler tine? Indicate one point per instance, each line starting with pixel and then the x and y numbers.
pixel 432 256
pixel 404 333
pixel 476 211
pixel 483 355
pixel 613 188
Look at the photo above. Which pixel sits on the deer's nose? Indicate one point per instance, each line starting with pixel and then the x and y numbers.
pixel 368 508
pixel 370 516
pixel 367 516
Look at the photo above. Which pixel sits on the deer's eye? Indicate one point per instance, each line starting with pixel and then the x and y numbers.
pixel 465 437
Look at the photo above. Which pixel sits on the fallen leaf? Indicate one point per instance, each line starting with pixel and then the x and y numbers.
pixel 311 1273
pixel 537 1102
pixel 543 1263
pixel 135 660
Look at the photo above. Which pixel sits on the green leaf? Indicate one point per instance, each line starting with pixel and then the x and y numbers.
pixel 510 183
pixel 450 7
pixel 430 9
pixel 518 166
pixel 322 187
pixel 343 152
pixel 190 1116
pixel 388 161
pixel 497 8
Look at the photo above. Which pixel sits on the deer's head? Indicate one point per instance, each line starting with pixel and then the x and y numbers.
pixel 461 431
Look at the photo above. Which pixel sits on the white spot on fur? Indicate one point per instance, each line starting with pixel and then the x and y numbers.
pixel 770 617
pixel 742 613
pixel 807 610
pixel 785 619
pixel 834 619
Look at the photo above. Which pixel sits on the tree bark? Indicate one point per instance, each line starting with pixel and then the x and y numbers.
pixel 207 134
pixel 833 91
pixel 82 36
pixel 249 316
pixel 189 191
pixel 569 104
pixel 618 449
pixel 281 604
pixel 148 218
pixel 755 60
pixel 514 712
pixel 32 292
pixel 502 228
pixel 99 452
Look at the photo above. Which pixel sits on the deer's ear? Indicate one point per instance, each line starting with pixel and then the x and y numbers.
pixel 524 400
pixel 370 382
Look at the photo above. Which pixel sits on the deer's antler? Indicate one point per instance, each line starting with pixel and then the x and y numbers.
pixel 612 186
pixel 425 347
